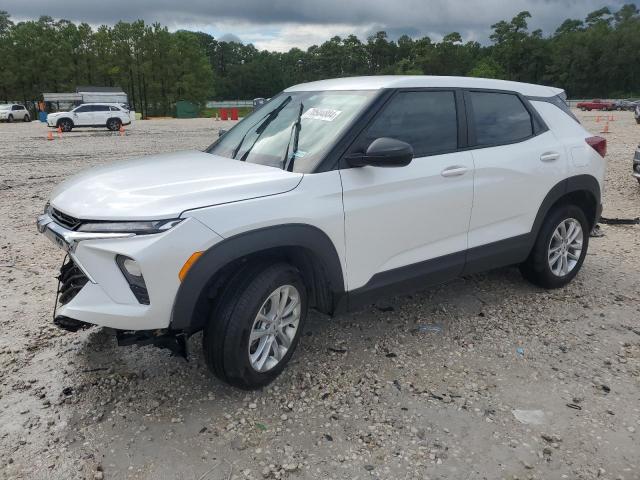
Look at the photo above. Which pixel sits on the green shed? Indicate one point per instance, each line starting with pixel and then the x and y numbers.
pixel 185 109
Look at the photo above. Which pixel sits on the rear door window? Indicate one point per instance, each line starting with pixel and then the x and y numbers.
pixel 426 120
pixel 499 118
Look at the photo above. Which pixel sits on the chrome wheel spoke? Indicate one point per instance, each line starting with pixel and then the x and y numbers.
pixel 257 335
pixel 573 256
pixel 284 298
pixel 284 339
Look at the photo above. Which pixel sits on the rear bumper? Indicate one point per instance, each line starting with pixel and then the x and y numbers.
pixel 106 299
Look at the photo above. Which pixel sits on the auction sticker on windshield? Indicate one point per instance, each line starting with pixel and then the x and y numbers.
pixel 325 114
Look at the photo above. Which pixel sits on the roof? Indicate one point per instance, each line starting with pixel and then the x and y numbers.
pixel 99 90
pixel 424 81
pixel 101 103
pixel 62 97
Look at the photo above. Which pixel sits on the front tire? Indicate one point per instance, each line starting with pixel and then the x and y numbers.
pixel 65 125
pixel 560 248
pixel 10 119
pixel 256 327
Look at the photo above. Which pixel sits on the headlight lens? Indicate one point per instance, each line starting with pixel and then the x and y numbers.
pixel 141 228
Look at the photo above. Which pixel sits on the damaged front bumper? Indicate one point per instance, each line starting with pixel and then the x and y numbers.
pixel 95 290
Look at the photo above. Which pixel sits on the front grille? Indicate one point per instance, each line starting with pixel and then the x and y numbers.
pixel 71 280
pixel 65 220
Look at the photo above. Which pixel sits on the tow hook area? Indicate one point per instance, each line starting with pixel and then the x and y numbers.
pixel 176 342
pixel 69 324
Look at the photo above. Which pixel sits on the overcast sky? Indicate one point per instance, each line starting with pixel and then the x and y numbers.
pixel 282 24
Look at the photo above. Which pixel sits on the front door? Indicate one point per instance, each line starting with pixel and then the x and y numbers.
pixel 83 116
pixel 408 224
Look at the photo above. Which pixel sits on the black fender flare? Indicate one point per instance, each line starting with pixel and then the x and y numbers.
pixel 184 315
pixel 577 183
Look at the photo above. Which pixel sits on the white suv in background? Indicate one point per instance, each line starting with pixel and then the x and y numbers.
pixel 109 115
pixel 331 195
pixel 12 112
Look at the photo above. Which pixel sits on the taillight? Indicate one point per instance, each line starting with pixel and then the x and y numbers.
pixel 599 144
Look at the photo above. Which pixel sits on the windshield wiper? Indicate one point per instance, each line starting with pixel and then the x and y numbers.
pixel 288 161
pixel 263 124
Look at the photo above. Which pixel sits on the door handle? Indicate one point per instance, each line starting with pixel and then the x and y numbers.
pixel 454 171
pixel 549 156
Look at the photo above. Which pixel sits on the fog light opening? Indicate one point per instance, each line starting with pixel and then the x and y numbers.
pixel 133 274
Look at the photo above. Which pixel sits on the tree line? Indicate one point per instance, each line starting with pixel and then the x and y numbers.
pixel 598 56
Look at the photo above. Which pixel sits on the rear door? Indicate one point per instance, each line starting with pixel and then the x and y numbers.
pixel 398 221
pixel 518 160
pixel 101 113
pixel 18 112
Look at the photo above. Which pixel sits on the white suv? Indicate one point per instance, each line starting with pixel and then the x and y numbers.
pixel 109 115
pixel 11 112
pixel 329 196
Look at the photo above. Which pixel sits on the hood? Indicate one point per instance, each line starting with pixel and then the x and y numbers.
pixel 163 186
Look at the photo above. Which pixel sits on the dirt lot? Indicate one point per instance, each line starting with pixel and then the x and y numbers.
pixel 484 378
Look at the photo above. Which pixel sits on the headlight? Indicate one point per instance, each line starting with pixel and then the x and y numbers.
pixel 140 228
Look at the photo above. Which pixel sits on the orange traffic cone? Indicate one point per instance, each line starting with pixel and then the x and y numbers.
pixel 121 130
pixel 50 135
pixel 606 128
pixel 597 118
pixel 611 118
pixel 59 132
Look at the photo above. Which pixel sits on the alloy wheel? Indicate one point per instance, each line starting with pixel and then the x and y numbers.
pixel 274 328
pixel 565 247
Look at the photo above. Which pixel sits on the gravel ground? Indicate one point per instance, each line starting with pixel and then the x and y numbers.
pixel 486 377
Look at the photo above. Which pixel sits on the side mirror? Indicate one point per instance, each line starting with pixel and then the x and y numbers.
pixel 221 132
pixel 384 152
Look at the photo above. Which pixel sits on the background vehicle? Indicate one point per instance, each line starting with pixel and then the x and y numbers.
pixel 636 164
pixel 13 112
pixel 626 104
pixel 596 104
pixel 328 197
pixel 109 115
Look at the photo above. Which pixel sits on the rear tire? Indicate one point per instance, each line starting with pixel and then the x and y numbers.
pixel 114 124
pixel 552 244
pixel 250 336
pixel 26 118
pixel 10 119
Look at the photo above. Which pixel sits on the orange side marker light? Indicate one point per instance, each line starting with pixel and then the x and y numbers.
pixel 188 264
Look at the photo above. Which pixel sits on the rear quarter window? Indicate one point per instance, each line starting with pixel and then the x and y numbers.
pixel 499 118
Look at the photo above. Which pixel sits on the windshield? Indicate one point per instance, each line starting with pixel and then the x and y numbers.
pixel 5 107
pixel 293 130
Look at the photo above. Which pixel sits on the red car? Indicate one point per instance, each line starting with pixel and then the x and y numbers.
pixel 596 105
